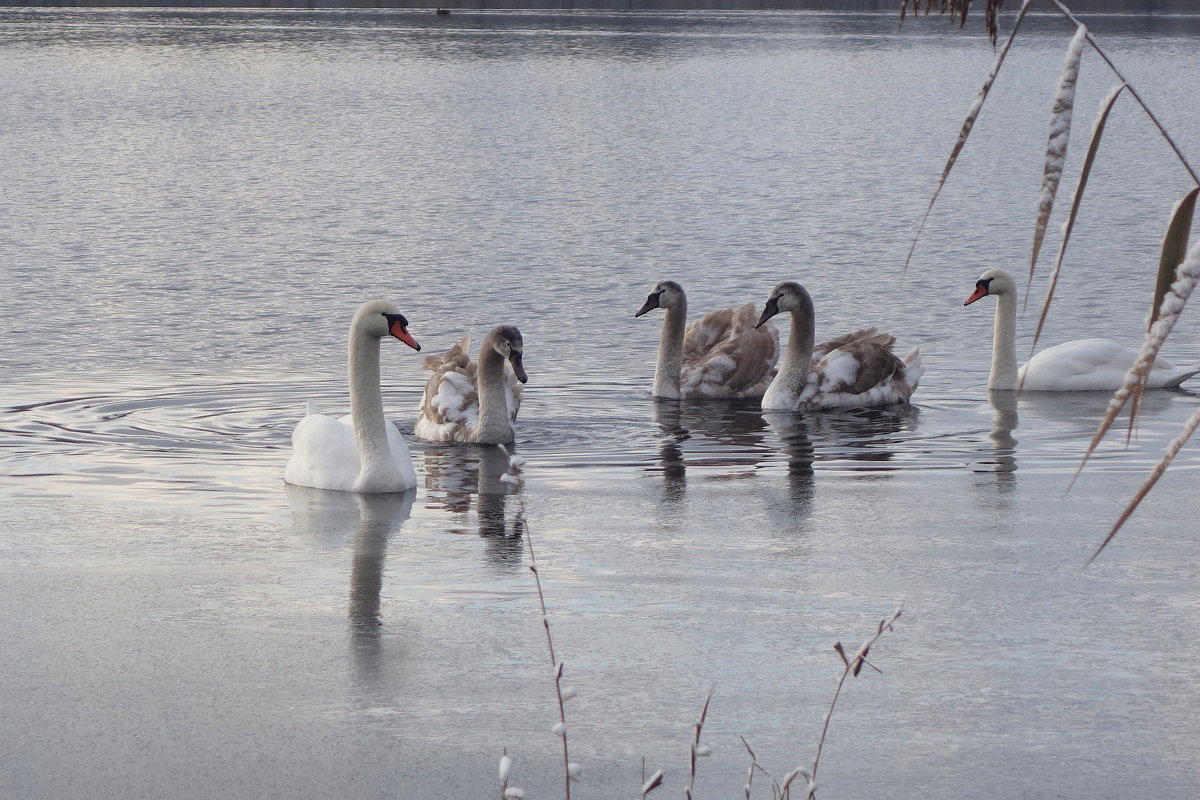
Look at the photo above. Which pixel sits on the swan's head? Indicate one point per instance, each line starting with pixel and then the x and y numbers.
pixel 667 294
pixel 994 281
pixel 379 318
pixel 787 296
pixel 506 340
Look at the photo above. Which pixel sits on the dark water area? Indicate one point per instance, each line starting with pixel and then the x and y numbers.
pixel 1157 7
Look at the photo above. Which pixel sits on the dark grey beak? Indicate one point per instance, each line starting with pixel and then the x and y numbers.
pixel 769 310
pixel 514 358
pixel 651 303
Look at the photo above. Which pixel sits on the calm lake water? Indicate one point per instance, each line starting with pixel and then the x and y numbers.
pixel 194 204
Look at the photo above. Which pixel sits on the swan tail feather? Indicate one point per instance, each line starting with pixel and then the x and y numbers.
pixel 311 406
pixel 914 367
pixel 1188 372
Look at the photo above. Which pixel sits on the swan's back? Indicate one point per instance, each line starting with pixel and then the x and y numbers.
pixel 860 369
pixel 325 454
pixel 1094 365
pixel 724 355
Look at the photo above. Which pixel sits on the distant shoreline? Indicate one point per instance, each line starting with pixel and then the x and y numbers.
pixel 1191 7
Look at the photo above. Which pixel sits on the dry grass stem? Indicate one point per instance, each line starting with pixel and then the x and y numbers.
pixel 1159 468
pixel 968 123
pixel 695 752
pixel 852 665
pixel 1066 12
pixel 754 765
pixel 560 728
pixel 1076 201
pixel 1187 276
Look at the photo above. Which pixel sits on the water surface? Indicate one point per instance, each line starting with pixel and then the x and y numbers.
pixel 197 201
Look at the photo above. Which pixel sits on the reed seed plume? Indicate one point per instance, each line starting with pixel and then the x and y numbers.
pixel 1085 172
pixel 1056 144
pixel 654 781
pixel 1135 379
pixel 1173 253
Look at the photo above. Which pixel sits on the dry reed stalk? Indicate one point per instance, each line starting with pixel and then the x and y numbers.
pixel 1187 276
pixel 1076 201
pixel 968 123
pixel 655 781
pixel 696 751
pixel 515 476
pixel 852 666
pixel 1066 12
pixel 754 765
pixel 1056 144
pixel 1148 484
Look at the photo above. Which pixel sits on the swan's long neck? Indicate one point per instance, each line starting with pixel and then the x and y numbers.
pixel 1004 344
pixel 375 461
pixel 797 359
pixel 670 353
pixel 495 424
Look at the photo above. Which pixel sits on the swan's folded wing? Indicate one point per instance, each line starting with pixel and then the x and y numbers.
pixel 450 401
pixel 704 334
pixel 872 335
pixel 457 357
pixel 324 453
pixel 858 366
pixel 740 365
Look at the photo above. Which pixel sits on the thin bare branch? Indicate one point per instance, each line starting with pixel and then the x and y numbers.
pixel 969 123
pixel 515 468
pixel 1155 474
pixel 850 667
pixel 1066 12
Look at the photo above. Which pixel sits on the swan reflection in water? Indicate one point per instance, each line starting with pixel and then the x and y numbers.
pixel 1063 420
pixel 330 517
pixel 721 439
pixel 1003 456
pixel 455 475
pixel 728 434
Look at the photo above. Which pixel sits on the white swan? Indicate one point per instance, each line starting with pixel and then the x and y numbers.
pixel 721 354
pixel 1078 365
pixel 465 402
pixel 858 369
pixel 362 451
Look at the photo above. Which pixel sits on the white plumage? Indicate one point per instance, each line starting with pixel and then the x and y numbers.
pixel 361 451
pixel 1079 365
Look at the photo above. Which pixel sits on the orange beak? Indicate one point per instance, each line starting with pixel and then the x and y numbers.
pixel 980 291
pixel 398 330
